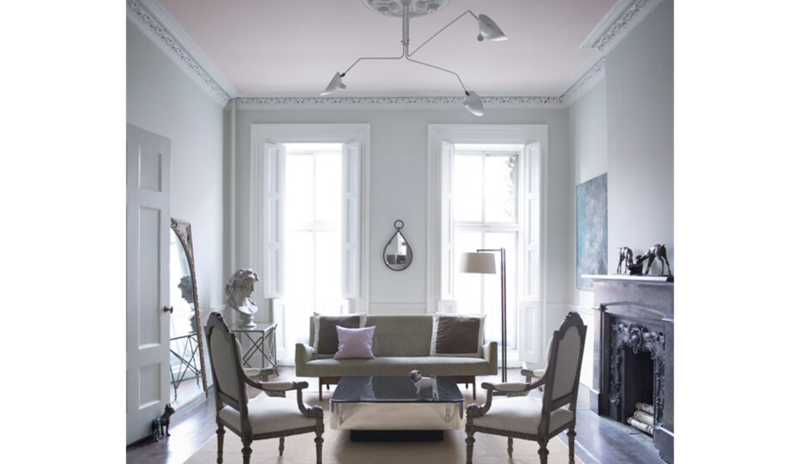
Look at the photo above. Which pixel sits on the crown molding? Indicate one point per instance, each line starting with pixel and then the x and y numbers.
pixel 151 17
pixel 391 102
pixel 618 23
pixel 595 74
pixel 157 24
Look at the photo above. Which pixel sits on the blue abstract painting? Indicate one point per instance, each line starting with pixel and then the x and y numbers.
pixel 592 229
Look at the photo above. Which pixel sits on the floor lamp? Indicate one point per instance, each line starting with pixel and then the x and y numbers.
pixel 482 262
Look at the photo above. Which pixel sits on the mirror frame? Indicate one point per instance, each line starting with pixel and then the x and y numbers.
pixel 186 242
pixel 410 251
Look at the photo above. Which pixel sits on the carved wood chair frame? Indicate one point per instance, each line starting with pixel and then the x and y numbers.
pixel 549 404
pixel 240 404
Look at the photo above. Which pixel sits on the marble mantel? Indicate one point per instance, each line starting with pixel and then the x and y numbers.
pixel 635 314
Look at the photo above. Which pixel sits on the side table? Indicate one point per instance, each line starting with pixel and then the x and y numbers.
pixel 262 340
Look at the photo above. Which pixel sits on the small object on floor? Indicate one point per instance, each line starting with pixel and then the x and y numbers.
pixel 160 423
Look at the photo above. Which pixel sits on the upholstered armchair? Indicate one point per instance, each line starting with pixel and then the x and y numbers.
pixel 529 417
pixel 268 415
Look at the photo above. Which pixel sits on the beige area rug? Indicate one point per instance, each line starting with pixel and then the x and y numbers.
pixel 338 448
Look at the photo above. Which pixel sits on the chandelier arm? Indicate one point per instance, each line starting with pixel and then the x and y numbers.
pixel 442 30
pixel 441 69
pixel 372 58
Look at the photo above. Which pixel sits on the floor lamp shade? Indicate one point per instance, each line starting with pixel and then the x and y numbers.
pixel 478 263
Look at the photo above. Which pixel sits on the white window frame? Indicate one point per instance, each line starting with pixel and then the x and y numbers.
pixel 483 226
pixel 531 336
pixel 261 135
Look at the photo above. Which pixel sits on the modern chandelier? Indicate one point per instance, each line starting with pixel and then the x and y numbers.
pixel 407 9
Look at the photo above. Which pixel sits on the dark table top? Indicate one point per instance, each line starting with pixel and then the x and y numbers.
pixel 393 390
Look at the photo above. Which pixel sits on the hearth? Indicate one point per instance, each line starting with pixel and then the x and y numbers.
pixel 634 351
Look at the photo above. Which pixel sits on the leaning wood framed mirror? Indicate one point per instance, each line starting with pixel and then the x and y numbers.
pixel 187 360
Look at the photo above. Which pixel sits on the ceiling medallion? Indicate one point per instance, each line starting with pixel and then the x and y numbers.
pixel 415 7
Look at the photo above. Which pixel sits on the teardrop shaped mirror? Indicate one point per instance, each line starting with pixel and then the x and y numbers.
pixel 398 255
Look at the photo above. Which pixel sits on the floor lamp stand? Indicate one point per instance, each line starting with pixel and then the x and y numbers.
pixel 503 338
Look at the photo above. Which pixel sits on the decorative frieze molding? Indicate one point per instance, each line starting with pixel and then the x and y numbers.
pixel 617 23
pixel 586 82
pixel 163 32
pixel 393 102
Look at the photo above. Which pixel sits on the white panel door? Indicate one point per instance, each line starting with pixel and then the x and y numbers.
pixel 147 252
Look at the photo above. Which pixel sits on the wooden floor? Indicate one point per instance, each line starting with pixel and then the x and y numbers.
pixel 599 440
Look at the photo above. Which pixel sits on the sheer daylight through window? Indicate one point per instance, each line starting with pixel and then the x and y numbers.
pixel 486 184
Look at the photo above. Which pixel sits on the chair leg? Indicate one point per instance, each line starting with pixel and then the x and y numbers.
pixel 280 447
pixel 220 442
pixel 470 443
pixel 246 450
pixel 571 436
pixel 510 446
pixel 474 389
pixel 319 441
pixel 543 452
pixel 320 388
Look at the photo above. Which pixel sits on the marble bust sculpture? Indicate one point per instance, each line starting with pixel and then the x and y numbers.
pixel 238 291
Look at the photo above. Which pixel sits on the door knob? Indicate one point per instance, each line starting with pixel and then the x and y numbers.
pixel 168 309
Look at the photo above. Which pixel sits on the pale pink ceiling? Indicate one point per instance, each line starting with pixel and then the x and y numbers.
pixel 267 46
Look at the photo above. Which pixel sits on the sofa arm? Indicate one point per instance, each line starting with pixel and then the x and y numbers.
pixel 302 355
pixel 490 354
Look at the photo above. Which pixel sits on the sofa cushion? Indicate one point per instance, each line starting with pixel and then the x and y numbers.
pixel 326 340
pixel 396 366
pixel 355 343
pixel 457 335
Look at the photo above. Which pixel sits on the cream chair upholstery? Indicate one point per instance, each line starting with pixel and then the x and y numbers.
pixel 539 419
pixel 268 415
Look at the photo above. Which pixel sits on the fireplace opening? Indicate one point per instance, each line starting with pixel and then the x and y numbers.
pixel 637 384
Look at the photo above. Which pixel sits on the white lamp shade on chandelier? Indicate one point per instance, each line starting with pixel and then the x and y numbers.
pixel 336 84
pixel 487 30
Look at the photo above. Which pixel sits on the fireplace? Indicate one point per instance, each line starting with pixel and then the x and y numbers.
pixel 633 352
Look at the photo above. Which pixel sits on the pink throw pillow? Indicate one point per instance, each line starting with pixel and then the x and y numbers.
pixel 355 343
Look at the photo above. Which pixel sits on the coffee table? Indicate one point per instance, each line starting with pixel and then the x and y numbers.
pixel 389 409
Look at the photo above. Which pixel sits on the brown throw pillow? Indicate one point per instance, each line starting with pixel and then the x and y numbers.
pixel 326 341
pixel 457 335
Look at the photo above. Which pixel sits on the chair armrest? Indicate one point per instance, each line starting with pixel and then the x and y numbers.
pixel 490 354
pixel 530 374
pixel 475 410
pixel 276 386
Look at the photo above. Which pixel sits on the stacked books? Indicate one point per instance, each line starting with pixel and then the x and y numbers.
pixel 643 418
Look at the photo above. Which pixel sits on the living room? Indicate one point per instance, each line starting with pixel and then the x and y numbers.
pixel 477 246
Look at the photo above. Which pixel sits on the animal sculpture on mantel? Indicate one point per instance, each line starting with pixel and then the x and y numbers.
pixel 626 256
pixel 657 251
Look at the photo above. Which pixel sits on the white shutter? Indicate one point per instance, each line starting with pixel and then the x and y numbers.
pixel 532 222
pixel 531 304
pixel 272 229
pixel 447 259
pixel 351 220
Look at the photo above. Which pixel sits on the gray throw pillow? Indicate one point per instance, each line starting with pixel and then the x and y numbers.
pixel 457 335
pixel 326 341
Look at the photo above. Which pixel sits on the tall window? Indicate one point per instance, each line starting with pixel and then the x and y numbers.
pixel 313 219
pixel 486 192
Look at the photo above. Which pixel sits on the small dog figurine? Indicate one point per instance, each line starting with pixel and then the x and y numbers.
pixel 159 423
pixel 423 382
